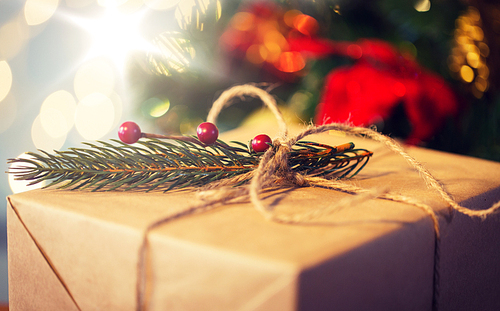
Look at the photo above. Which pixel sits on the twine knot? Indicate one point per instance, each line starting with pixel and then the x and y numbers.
pixel 274 169
pixel 281 168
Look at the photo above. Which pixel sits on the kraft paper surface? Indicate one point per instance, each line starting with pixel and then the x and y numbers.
pixel 81 248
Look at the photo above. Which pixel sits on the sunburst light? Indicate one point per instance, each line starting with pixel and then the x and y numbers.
pixel 115 35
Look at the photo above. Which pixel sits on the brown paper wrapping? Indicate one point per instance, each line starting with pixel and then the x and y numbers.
pixel 71 250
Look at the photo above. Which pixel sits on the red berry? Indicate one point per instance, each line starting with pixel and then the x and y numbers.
pixel 207 133
pixel 261 143
pixel 129 132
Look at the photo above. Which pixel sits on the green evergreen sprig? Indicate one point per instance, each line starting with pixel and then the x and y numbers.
pixel 155 164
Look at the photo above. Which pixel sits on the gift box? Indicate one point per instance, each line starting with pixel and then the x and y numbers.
pixel 79 250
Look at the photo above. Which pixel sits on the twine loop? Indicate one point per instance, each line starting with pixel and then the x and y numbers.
pixel 273 169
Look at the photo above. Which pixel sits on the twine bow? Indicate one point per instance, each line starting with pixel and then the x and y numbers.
pixel 273 169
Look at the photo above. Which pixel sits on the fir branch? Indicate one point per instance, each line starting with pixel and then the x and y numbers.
pixel 155 164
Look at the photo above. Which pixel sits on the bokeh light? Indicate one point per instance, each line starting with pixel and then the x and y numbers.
pixel 118 109
pixel 256 53
pixel 94 76
pixel 306 24
pixel 399 89
pixel 291 62
pixel 468 58
pixel 467 73
pixel 18 186
pixel 481 84
pixel 275 43
pixel 43 140
pixel 300 102
pixel 5 79
pixel 8 112
pixel 155 107
pixel 422 5
pixel 94 116
pixel 408 49
pixel 243 21
pixel 473 59
pixel 336 9
pixel 57 113
pixel 53 122
pixel 354 51
pixel 290 16
pixel 13 37
pixel 483 72
pixel 484 49
pixel 39 11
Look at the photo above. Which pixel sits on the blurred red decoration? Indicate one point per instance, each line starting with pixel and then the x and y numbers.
pixel 381 78
pixel 260 33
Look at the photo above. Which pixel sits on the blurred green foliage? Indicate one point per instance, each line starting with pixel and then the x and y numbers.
pixel 427 35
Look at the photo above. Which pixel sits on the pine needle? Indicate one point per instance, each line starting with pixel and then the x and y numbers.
pixel 155 164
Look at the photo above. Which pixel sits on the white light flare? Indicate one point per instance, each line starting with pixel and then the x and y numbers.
pixel 115 35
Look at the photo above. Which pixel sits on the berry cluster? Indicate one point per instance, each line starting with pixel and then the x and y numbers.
pixel 129 133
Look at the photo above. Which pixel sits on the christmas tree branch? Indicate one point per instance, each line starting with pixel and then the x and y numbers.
pixel 177 163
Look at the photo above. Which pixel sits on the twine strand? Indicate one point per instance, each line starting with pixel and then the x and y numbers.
pixel 391 144
pixel 143 288
pixel 262 173
pixel 273 169
pixel 225 100
pixel 382 194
